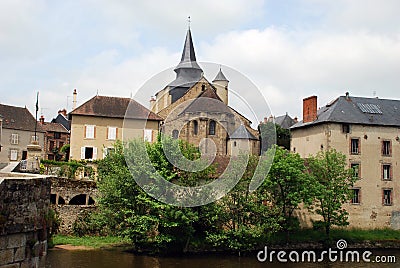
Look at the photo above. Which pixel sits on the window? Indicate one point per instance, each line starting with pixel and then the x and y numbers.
pixel 35 138
pixel 51 146
pixel 89 153
pixel 195 127
pixel 355 146
pixel 14 138
pixel 386 172
pixel 234 144
pixel 148 135
pixel 175 134
pixel 89 131
pixel 108 151
pixel 356 170
pixel 13 155
pixel 211 130
pixel 57 135
pixel 387 197
pixel 346 128
pixel 111 133
pixel 356 196
pixel 386 148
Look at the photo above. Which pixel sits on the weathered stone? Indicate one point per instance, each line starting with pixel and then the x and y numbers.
pixel 6 256
pixel 19 254
pixel 3 241
pixel 16 240
pixel 13 265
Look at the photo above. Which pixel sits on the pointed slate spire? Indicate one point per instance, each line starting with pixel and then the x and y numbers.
pixel 220 76
pixel 188 59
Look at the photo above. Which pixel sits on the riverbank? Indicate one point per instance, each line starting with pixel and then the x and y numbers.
pixel 301 239
pixel 88 242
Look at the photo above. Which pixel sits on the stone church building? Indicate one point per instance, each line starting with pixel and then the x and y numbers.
pixel 197 110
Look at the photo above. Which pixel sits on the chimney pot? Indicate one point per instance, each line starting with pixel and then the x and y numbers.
pixel 41 119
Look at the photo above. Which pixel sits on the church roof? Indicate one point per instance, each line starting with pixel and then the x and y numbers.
pixel 242 133
pixel 202 103
pixel 220 76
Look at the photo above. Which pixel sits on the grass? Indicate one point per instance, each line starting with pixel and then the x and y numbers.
pixel 89 241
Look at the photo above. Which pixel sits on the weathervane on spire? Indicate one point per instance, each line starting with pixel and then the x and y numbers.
pixel 189 22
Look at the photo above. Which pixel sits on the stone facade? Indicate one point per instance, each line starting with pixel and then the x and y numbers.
pixel 24 208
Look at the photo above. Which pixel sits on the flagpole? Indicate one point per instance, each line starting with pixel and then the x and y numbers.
pixel 37 109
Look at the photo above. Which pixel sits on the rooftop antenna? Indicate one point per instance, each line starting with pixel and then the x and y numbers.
pixel 189 22
pixel 97 94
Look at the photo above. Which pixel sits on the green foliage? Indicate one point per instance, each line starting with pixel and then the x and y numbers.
pixel 332 182
pixel 89 223
pixel 286 186
pixel 66 169
pixel 90 241
pixel 268 135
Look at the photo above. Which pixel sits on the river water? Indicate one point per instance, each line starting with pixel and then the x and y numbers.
pixel 59 258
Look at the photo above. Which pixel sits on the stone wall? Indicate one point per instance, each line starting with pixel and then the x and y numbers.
pixel 24 208
pixel 64 191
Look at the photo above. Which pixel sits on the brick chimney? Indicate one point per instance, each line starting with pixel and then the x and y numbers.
pixel 63 112
pixel 74 99
pixel 309 109
pixel 41 119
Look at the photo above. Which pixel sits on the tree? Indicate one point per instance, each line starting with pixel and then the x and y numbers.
pixel 287 186
pixel 267 135
pixel 331 187
pixel 129 210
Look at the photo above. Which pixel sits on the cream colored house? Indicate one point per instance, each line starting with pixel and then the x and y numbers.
pixel 99 122
pixel 197 111
pixel 367 131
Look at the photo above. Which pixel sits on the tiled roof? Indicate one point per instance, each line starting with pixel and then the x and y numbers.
pixel 202 103
pixel 18 118
pixel 358 110
pixel 115 107
pixel 54 127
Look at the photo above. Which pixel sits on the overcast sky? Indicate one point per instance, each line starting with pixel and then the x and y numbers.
pixel 288 49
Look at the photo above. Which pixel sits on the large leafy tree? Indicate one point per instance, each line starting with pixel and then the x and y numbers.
pixel 332 187
pixel 286 186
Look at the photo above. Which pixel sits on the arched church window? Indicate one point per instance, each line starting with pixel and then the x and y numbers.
pixel 175 133
pixel 211 129
pixel 195 127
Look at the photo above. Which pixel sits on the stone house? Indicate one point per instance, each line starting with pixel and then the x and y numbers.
pixel 197 111
pixel 55 138
pixel 366 130
pixel 99 122
pixel 17 131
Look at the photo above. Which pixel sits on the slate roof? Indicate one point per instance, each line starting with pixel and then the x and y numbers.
pixel 53 127
pixel 242 133
pixel 220 76
pixel 61 119
pixel 18 118
pixel 114 107
pixel 350 110
pixel 284 121
pixel 202 103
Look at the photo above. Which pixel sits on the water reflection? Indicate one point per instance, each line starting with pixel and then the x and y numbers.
pixel 58 258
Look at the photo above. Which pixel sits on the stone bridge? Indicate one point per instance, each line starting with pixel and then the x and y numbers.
pixel 69 198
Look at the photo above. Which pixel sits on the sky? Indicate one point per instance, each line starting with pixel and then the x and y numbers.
pixel 288 49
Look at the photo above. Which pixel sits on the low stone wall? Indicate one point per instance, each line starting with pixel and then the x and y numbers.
pixel 24 208
pixel 68 215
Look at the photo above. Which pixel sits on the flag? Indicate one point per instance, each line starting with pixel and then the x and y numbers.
pixel 37 102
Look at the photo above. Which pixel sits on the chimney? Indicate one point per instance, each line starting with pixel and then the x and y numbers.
pixel 41 119
pixel 296 119
pixel 347 96
pixel 152 102
pixel 74 100
pixel 63 112
pixel 309 109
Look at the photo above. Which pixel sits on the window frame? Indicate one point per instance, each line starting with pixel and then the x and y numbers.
pixel 390 172
pixel 390 190
pixel 352 152
pixel 87 128
pixel 14 139
pixel 384 149
pixel 115 132
pixel 195 127
pixel 358 189
pixel 212 127
pixel 358 171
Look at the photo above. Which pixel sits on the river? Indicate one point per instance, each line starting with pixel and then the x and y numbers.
pixel 59 258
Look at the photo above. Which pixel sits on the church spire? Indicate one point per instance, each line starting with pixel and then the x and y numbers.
pixel 188 59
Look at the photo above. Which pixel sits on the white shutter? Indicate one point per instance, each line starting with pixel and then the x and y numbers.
pixel 83 149
pixel 148 135
pixel 94 153
pixel 13 155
